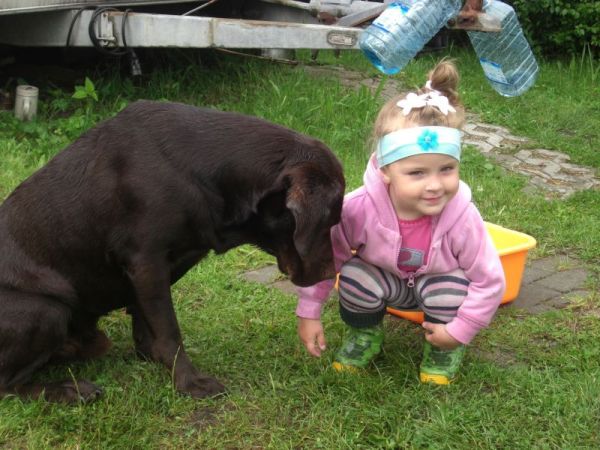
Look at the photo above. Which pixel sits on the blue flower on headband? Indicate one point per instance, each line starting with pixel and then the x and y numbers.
pixel 428 140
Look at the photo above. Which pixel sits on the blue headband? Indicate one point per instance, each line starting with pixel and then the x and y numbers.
pixel 417 141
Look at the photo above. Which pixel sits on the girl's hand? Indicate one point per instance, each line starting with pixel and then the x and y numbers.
pixel 436 335
pixel 312 335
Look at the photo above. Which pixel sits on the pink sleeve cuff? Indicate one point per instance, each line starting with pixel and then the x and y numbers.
pixel 309 309
pixel 311 299
pixel 462 330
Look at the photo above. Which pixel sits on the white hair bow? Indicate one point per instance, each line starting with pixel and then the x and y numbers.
pixel 432 98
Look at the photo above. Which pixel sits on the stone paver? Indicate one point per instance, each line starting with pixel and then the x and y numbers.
pixel 532 274
pixel 264 275
pixel 551 283
pixel 547 170
pixel 564 281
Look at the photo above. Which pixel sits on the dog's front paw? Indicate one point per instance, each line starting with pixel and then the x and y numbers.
pixel 200 386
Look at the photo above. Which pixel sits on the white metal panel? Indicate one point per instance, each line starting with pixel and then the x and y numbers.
pixel 261 34
pixel 26 6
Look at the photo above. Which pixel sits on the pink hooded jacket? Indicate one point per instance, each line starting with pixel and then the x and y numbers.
pixel 369 226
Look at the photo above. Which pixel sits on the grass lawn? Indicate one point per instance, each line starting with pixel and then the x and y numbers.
pixel 527 382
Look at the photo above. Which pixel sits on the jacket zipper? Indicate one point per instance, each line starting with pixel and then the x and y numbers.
pixel 411 275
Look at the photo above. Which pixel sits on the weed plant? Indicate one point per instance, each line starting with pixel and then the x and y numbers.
pixel 528 381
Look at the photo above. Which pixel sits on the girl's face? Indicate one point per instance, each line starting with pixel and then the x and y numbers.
pixel 421 185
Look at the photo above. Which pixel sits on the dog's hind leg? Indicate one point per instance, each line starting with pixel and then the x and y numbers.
pixel 68 391
pixel 84 341
pixel 33 328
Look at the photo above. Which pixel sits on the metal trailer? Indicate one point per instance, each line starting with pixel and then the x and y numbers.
pixel 277 26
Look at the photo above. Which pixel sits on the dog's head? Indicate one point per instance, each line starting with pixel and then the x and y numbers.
pixel 296 218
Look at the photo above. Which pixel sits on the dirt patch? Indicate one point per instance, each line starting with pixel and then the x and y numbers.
pixel 202 418
pixel 499 357
pixel 595 312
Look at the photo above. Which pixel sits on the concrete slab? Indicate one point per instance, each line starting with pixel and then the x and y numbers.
pixel 559 302
pixel 533 273
pixel 554 263
pixel 564 281
pixel 531 296
pixel 285 286
pixel 264 275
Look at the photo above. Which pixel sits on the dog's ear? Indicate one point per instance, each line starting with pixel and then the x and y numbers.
pixel 315 202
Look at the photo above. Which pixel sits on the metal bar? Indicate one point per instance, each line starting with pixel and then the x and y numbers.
pixel 361 16
pixel 160 30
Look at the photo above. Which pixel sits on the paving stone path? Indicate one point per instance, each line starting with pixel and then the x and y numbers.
pixel 547 170
pixel 548 283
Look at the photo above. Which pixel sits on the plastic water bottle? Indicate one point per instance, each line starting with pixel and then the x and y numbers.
pixel 397 35
pixel 505 56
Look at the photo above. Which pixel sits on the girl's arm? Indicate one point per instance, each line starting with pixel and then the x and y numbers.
pixel 479 259
pixel 311 299
pixel 310 304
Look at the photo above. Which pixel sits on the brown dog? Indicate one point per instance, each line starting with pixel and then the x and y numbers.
pixel 127 209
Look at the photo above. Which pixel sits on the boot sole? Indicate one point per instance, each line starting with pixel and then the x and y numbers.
pixel 339 367
pixel 431 378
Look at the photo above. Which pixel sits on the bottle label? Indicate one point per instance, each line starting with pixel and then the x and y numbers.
pixel 493 71
pixel 391 16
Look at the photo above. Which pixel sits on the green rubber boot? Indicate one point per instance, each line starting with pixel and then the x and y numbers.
pixel 360 347
pixel 440 366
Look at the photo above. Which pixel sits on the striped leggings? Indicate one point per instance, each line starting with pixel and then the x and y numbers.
pixel 366 290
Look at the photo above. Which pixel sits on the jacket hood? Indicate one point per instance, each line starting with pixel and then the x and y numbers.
pixel 378 193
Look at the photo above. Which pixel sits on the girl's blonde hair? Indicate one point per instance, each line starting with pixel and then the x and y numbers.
pixel 444 79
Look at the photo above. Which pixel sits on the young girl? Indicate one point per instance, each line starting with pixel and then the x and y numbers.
pixel 411 238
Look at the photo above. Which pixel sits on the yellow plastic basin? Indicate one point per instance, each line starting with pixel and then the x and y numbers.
pixel 512 247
